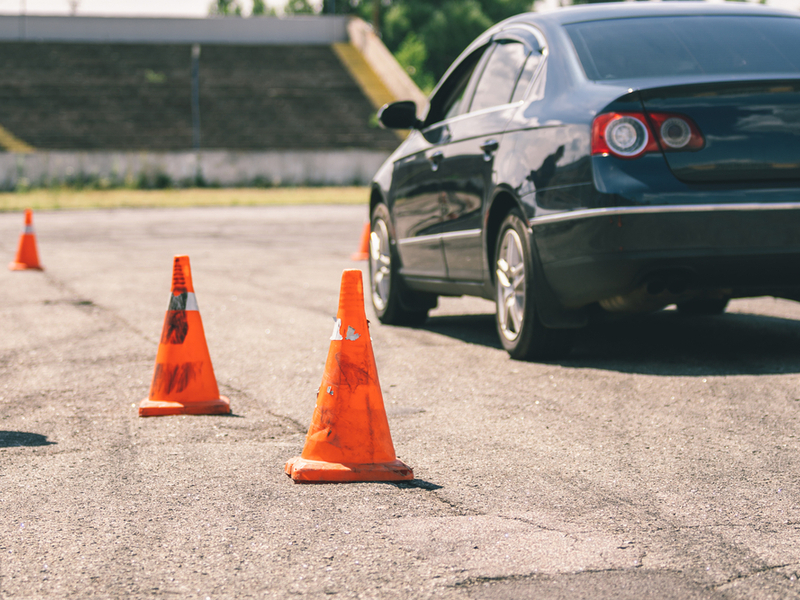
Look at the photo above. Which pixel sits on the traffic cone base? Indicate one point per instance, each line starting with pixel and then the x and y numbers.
pixel 27 258
pixel 302 470
pixel 349 438
pixel 363 251
pixel 160 408
pixel 17 266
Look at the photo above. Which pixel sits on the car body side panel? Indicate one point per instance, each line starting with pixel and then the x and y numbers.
pixel 466 180
pixel 548 161
pixel 417 212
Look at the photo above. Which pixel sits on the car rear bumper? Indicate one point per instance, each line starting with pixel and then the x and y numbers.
pixel 596 254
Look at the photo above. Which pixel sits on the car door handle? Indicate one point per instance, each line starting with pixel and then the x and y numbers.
pixel 436 159
pixel 489 147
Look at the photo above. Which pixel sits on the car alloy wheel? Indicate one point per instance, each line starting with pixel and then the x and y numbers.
pixel 521 331
pixel 380 264
pixel 510 285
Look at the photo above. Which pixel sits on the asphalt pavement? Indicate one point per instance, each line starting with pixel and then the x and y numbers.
pixel 659 460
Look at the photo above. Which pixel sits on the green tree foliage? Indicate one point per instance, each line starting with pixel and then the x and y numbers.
pixel 602 1
pixel 225 8
pixel 299 7
pixel 359 8
pixel 260 8
pixel 497 10
pixel 413 55
pixel 426 36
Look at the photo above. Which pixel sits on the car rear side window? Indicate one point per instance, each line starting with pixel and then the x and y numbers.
pixel 524 81
pixel 499 76
pixel 687 45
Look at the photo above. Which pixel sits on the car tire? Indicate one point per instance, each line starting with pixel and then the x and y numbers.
pixel 703 306
pixel 393 302
pixel 521 331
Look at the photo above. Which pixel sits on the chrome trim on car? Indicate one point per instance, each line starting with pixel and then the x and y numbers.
pixel 638 210
pixel 467 233
pixel 447 235
pixel 419 239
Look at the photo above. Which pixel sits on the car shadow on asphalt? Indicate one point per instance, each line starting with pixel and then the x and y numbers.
pixel 663 343
pixel 12 439
pixel 416 484
pixel 473 329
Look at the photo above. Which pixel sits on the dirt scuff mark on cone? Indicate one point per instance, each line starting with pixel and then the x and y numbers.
pixel 351 374
pixel 174 378
pixel 176 328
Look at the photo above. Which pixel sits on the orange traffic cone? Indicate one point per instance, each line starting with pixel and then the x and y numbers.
pixel 27 257
pixel 183 380
pixel 363 252
pixel 349 437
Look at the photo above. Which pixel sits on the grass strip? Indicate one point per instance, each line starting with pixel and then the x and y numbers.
pixel 67 199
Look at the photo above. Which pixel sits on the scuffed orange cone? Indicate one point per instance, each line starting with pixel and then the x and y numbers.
pixel 183 380
pixel 349 437
pixel 27 257
pixel 363 251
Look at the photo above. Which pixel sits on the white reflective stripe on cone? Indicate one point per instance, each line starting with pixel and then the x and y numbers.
pixel 28 230
pixel 191 301
pixel 186 301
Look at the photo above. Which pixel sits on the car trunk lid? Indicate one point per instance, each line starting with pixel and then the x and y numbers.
pixel 751 129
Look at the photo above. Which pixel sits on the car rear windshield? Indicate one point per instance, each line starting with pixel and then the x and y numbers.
pixel 690 45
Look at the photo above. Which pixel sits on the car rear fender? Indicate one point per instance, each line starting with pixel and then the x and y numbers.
pixel 551 313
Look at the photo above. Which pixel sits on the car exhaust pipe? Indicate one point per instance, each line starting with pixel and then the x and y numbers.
pixel 657 291
pixel 646 298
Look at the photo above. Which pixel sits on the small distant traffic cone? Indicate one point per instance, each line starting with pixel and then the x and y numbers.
pixel 183 380
pixel 349 437
pixel 363 252
pixel 27 257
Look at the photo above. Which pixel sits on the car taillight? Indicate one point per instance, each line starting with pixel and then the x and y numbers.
pixel 630 135
pixel 677 132
pixel 626 135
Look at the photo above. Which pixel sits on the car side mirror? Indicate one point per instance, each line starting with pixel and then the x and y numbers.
pixel 399 115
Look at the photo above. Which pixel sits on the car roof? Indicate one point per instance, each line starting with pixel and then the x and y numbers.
pixel 627 10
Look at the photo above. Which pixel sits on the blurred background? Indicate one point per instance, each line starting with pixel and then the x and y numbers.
pixel 185 93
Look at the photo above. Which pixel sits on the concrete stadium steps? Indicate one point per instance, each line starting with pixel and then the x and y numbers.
pixel 94 96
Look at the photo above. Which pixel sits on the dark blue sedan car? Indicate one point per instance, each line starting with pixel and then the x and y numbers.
pixel 627 156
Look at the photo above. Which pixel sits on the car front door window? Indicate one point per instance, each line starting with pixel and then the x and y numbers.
pixel 449 100
pixel 525 78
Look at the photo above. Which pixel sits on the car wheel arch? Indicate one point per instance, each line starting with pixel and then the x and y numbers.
pixel 551 312
pixel 503 203
pixel 377 197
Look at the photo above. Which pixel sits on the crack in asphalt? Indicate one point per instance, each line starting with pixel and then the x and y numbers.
pixel 481 579
pixel 459 509
pixel 574 536
pixel 297 426
pixel 764 569
pixel 83 303
pixel 538 526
